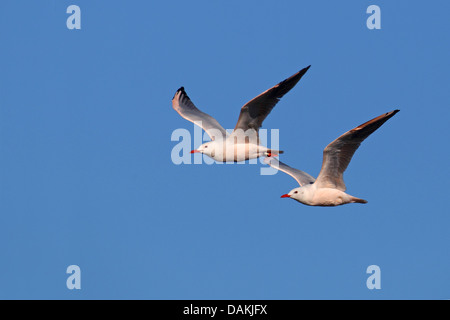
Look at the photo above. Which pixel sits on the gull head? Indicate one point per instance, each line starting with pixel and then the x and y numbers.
pixel 206 148
pixel 300 194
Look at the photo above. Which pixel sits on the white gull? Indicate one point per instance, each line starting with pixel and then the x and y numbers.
pixel 243 143
pixel 329 187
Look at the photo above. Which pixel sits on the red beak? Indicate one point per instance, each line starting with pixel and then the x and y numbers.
pixel 285 196
pixel 195 151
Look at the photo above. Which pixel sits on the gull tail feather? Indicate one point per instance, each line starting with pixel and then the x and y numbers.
pixel 358 200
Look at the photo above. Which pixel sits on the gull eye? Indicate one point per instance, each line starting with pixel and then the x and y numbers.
pixel 295 191
pixel 206 147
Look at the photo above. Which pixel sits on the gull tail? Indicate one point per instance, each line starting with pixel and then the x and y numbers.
pixel 358 200
pixel 273 153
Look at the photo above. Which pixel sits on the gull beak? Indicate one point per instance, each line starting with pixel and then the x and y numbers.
pixel 285 196
pixel 195 151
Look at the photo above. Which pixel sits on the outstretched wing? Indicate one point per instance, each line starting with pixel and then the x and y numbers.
pixel 337 155
pixel 256 110
pixel 301 177
pixel 184 106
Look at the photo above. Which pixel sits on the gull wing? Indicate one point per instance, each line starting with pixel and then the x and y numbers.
pixel 256 110
pixel 186 108
pixel 301 176
pixel 337 155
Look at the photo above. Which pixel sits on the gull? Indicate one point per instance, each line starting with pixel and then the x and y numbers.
pixel 329 187
pixel 243 143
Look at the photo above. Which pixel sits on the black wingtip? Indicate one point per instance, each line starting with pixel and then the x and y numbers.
pixel 390 114
pixel 180 89
pixel 303 71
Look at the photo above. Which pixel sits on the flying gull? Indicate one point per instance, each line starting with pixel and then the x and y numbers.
pixel 329 187
pixel 243 143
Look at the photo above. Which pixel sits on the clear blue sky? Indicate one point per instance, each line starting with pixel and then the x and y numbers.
pixel 86 176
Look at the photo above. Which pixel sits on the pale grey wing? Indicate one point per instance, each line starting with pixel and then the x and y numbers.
pixel 301 177
pixel 184 106
pixel 256 110
pixel 337 155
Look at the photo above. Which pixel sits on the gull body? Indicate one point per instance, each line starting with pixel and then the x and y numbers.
pixel 234 152
pixel 243 143
pixel 311 195
pixel 329 187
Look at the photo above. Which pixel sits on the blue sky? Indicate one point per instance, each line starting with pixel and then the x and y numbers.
pixel 86 175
